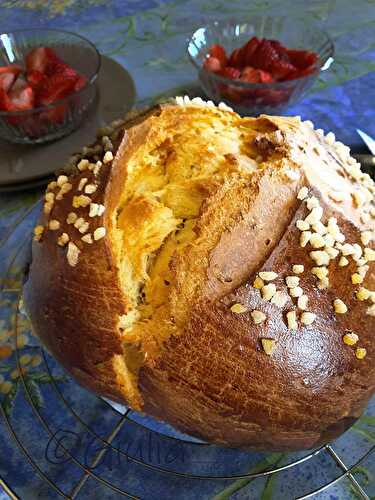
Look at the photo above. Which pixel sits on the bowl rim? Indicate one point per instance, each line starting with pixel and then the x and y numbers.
pixel 274 85
pixel 90 81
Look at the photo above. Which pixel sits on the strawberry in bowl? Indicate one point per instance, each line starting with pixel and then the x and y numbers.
pixel 268 60
pixel 260 66
pixel 46 93
pixel 50 77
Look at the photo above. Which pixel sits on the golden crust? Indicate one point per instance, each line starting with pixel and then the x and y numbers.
pixel 144 316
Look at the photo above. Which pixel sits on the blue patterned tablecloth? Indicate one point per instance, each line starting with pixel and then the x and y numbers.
pixel 148 38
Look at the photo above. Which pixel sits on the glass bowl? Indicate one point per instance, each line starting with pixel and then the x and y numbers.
pixel 256 98
pixel 60 118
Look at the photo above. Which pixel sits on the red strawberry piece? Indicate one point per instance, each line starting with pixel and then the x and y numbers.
pixel 311 57
pixel 265 56
pixel 277 97
pixel 212 64
pixel 80 83
pixel 19 84
pixel 20 99
pixel 230 72
pixel 249 49
pixel 23 99
pixel 38 59
pixel 265 77
pixel 6 81
pixel 54 88
pixel 283 54
pixel 21 95
pixel 252 75
pixel 57 67
pixel 281 69
pixel 218 51
pixel 282 51
pixel 15 69
pixel 35 78
pixel 236 58
pixel 301 59
pixel 300 73
pixel 307 71
pixel 5 102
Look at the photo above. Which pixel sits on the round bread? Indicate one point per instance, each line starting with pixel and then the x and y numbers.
pixel 215 272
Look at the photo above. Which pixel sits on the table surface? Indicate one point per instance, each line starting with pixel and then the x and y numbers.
pixel 148 38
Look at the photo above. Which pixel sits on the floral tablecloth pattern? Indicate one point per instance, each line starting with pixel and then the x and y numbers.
pixel 148 37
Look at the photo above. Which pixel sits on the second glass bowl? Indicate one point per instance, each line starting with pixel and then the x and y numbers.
pixel 257 98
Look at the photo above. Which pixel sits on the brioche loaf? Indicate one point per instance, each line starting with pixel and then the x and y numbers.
pixel 215 272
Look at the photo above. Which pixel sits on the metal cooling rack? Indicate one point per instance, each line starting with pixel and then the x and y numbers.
pixel 90 475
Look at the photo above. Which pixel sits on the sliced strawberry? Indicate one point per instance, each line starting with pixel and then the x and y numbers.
pixel 299 73
pixel 282 51
pixel 14 69
pixel 301 59
pixel 21 96
pixel 38 59
pixel 7 80
pixel 218 51
pixel 23 99
pixel 277 97
pixel 212 64
pixel 5 102
pixel 253 75
pixel 230 72
pixel 307 71
pixel 20 99
pixel 278 46
pixel 54 88
pixel 19 84
pixel 58 67
pixel 249 75
pixel 281 69
pixel 35 78
pixel 249 49
pixel 265 56
pixel 236 58
pixel 311 57
pixel 80 83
